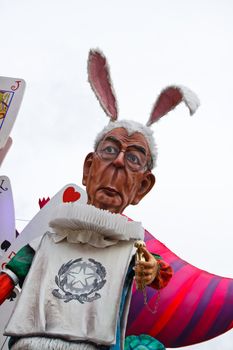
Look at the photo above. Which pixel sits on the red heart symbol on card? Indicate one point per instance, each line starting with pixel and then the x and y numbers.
pixel 70 195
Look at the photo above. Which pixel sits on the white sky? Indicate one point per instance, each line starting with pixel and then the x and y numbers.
pixel 149 44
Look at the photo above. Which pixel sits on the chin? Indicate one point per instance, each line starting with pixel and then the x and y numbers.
pixel 104 202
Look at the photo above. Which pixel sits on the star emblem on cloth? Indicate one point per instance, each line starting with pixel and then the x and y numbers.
pixel 82 276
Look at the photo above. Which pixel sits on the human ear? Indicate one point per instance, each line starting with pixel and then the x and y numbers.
pixel 86 167
pixel 146 185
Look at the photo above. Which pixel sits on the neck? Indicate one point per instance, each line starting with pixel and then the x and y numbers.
pixel 100 205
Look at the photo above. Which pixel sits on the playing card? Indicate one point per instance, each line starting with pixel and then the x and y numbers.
pixel 7 215
pixel 11 94
pixel 5 149
pixel 39 224
pixel 35 228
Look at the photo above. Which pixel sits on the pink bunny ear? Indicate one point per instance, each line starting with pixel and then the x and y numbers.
pixel 169 98
pixel 99 79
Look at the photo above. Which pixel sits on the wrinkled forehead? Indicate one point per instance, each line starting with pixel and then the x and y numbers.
pixel 122 136
pixel 130 128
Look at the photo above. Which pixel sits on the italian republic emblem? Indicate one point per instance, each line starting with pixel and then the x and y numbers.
pixel 80 280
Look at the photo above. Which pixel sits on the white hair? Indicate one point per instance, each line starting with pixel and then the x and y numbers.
pixel 131 127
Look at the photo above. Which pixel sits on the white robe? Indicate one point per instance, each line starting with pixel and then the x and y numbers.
pixel 73 289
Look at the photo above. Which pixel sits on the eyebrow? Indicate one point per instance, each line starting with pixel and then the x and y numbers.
pixel 139 148
pixel 112 138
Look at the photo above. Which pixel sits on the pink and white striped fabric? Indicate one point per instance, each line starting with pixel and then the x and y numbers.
pixel 194 307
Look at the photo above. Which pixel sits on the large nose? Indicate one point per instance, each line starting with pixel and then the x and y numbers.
pixel 119 162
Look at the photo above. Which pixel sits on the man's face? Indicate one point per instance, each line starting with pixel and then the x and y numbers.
pixel 117 175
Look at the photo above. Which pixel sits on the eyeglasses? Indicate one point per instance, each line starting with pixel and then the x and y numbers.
pixel 134 156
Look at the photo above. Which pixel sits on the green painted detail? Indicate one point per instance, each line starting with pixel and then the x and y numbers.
pixel 21 263
pixel 157 256
pixel 142 342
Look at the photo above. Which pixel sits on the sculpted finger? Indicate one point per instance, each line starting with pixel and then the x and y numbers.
pixel 146 254
pixel 148 264
pixel 148 280
pixel 149 272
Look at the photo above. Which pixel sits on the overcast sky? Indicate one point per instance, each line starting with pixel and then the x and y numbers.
pixel 149 45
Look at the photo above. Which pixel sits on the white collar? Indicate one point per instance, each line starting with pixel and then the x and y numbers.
pixel 82 223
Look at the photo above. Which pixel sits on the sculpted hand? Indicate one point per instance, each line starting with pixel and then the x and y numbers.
pixel 146 271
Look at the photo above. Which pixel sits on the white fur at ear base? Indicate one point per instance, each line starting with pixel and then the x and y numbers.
pixel 169 98
pixel 100 81
pixel 190 99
